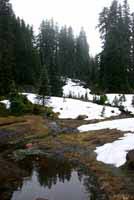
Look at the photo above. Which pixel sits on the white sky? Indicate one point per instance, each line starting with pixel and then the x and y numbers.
pixel 76 13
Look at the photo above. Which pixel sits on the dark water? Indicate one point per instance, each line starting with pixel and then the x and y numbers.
pixel 55 180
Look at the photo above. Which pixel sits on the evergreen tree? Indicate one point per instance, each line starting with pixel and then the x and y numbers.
pixel 131 68
pixel 48 45
pixel 114 63
pixel 6 47
pixel 67 52
pixel 27 68
pixel 44 87
pixel 82 56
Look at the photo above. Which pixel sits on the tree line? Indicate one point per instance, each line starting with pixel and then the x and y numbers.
pixel 37 63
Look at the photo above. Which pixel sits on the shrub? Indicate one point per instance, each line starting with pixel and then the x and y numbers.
pixel 103 99
pixel 103 111
pixel 49 113
pixel 20 104
pixel 17 107
pixel 38 109
pixel 70 95
pixel 132 101
pixel 86 96
pixel 95 99
pixel 122 108
pixel 3 109
pixel 115 101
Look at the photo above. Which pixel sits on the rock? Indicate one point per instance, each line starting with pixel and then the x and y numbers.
pixel 54 128
pixel 82 117
pixel 21 154
pixel 130 159
pixel 41 199
pixel 29 145
pixel 69 130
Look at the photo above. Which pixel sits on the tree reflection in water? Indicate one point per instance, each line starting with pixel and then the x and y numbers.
pixel 53 179
pixel 50 172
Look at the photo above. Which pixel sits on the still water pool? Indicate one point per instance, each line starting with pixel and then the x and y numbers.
pixel 50 179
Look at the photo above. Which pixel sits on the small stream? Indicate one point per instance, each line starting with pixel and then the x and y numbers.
pixel 50 179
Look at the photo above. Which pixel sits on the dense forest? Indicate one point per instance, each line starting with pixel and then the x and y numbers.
pixel 36 63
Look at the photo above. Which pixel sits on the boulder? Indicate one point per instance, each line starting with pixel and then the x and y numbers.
pixel 130 159
pixel 69 130
pixel 54 128
pixel 82 117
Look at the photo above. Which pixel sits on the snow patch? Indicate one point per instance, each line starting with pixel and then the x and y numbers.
pixel 115 153
pixel 76 90
pixel 120 124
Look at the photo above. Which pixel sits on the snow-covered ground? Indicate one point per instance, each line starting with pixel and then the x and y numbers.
pixel 7 103
pixel 120 124
pixel 115 152
pixel 127 103
pixel 72 108
pixel 76 90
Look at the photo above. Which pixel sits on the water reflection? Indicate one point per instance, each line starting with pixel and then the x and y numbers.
pixel 53 180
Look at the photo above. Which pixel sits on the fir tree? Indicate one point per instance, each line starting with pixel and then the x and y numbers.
pixel 6 47
pixel 114 60
pixel 44 87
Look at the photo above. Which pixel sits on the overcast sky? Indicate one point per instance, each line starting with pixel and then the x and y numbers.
pixel 76 13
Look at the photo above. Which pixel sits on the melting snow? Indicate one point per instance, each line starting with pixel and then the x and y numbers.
pixel 115 152
pixel 71 108
pixel 120 124
pixel 76 90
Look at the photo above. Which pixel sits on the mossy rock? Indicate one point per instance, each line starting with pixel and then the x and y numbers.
pixel 23 153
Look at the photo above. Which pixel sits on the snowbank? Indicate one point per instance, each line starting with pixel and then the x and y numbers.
pixel 76 90
pixel 115 153
pixel 120 124
pixel 127 103
pixel 71 108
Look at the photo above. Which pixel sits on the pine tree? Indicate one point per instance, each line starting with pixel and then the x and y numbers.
pixel 114 59
pixel 82 56
pixel 27 60
pixel 48 45
pixel 131 68
pixel 6 47
pixel 67 52
pixel 44 87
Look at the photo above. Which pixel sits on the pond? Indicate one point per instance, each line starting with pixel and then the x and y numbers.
pixel 50 179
